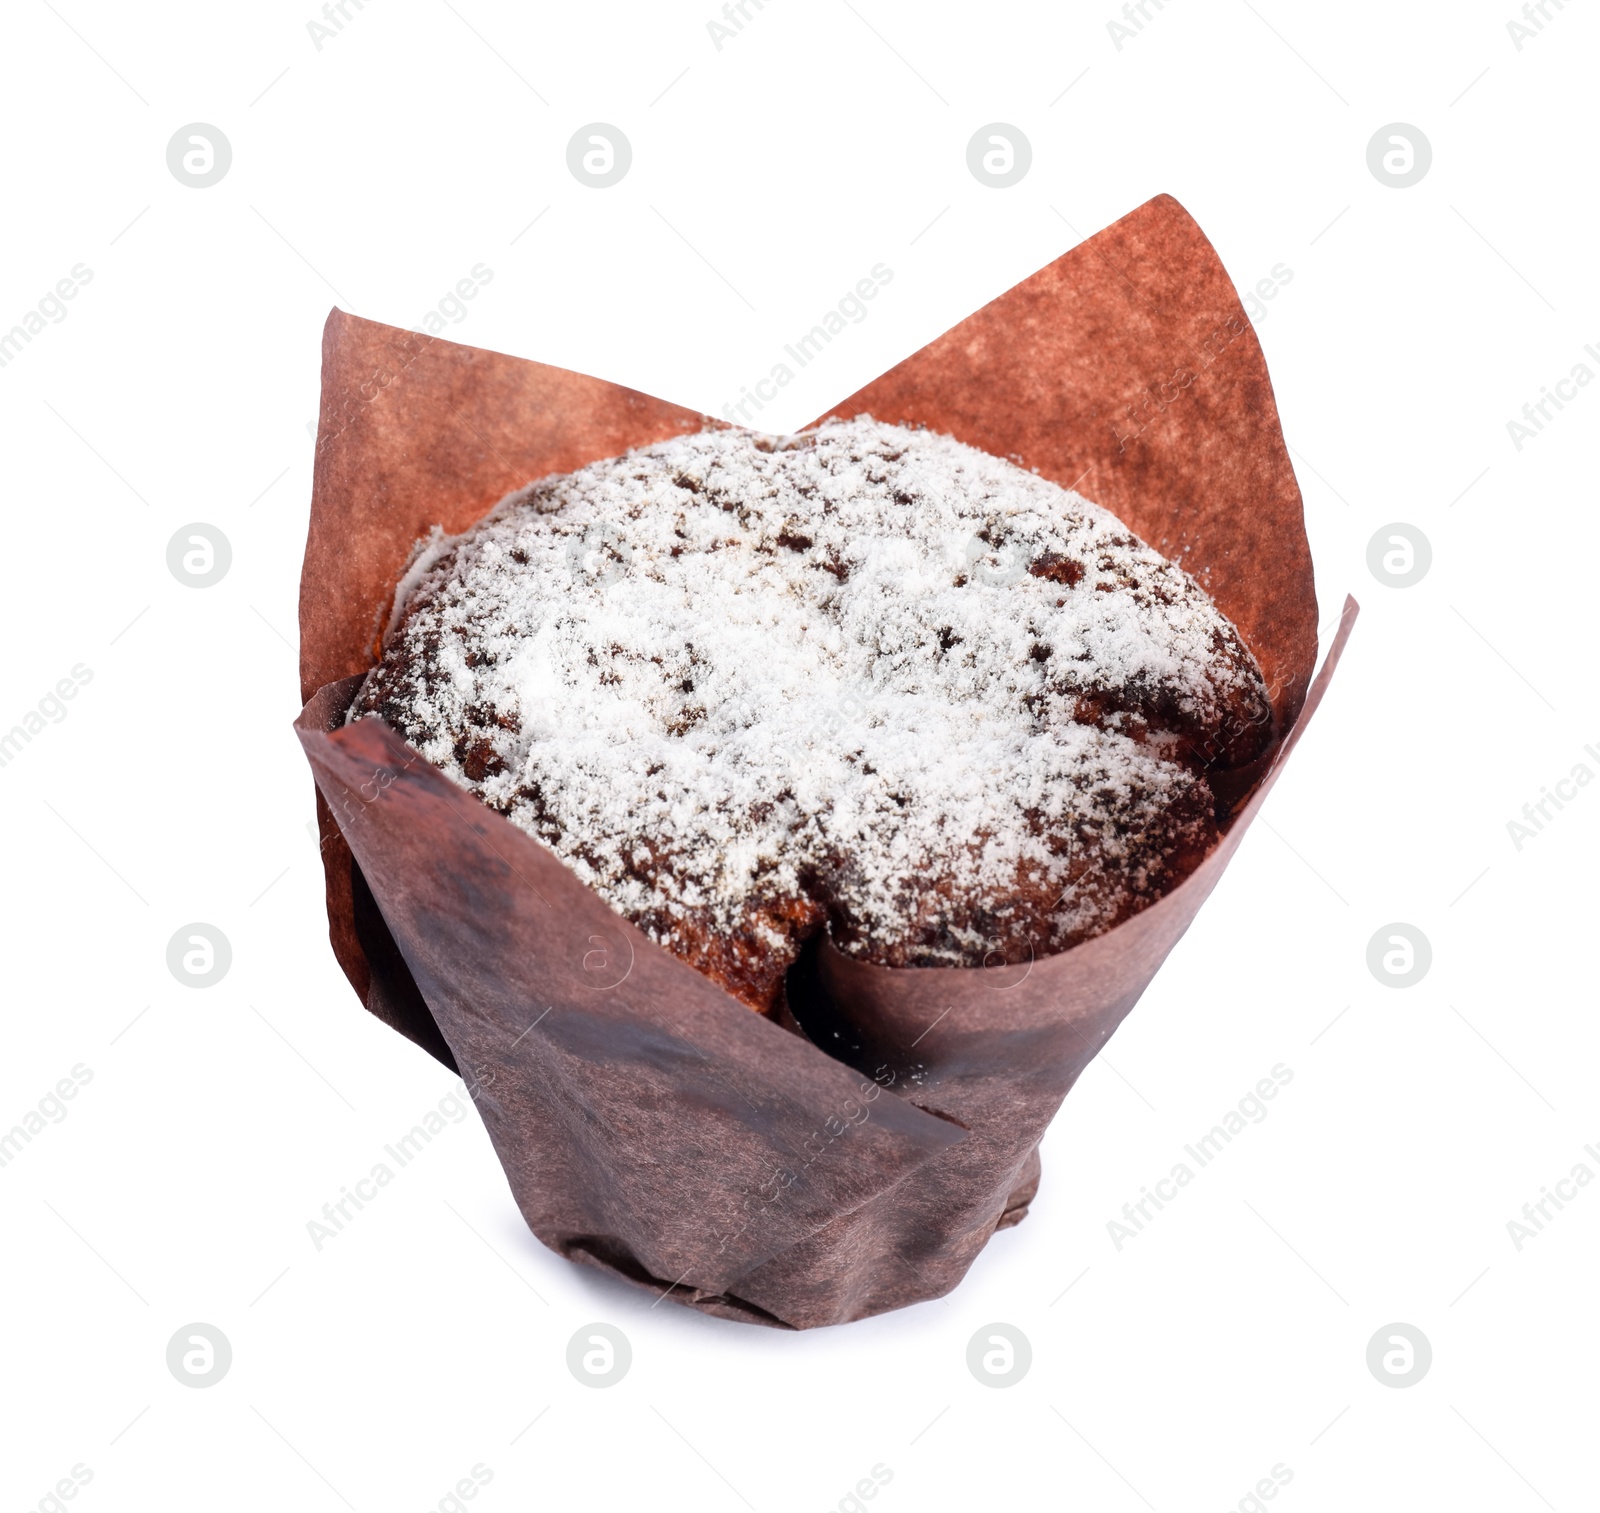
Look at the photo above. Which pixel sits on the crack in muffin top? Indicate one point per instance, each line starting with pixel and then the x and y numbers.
pixel 866 667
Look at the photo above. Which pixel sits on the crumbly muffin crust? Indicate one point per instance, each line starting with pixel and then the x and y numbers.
pixel 865 678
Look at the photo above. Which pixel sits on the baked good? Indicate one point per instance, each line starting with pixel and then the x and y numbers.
pixel 863 679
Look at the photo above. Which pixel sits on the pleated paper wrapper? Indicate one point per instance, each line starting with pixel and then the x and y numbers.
pixel 648 1123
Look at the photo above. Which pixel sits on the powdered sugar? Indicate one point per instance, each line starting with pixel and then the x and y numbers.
pixel 866 665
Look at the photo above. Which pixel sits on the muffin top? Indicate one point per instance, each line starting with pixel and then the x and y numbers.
pixel 728 672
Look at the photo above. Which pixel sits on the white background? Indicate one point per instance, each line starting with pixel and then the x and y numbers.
pixel 768 176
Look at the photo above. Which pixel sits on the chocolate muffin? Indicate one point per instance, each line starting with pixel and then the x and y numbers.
pixel 864 679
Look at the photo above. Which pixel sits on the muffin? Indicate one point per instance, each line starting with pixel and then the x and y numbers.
pixel 864 680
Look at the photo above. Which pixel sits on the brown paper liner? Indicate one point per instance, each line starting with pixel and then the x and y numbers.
pixel 650 1124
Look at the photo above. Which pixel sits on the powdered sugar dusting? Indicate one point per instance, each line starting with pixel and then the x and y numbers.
pixel 929 694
